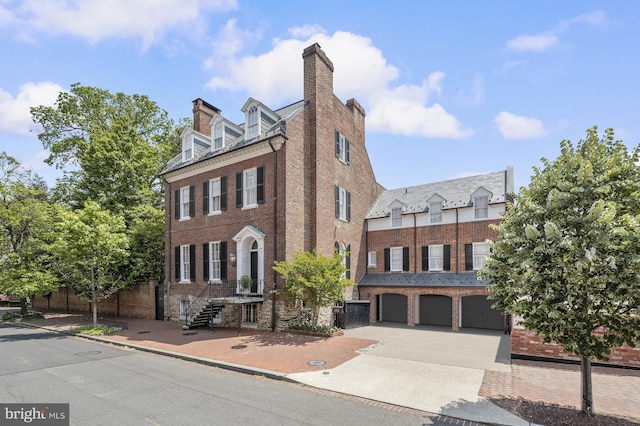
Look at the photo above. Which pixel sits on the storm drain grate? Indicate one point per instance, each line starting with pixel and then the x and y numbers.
pixel 238 347
pixel 316 362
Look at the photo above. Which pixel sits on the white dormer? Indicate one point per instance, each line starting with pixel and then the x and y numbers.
pixel 396 209
pixel 193 144
pixel 258 118
pixel 217 136
pixel 480 199
pixel 435 204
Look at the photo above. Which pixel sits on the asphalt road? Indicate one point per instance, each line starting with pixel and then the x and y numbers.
pixel 107 385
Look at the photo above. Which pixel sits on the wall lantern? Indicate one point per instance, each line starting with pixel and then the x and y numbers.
pixel 232 259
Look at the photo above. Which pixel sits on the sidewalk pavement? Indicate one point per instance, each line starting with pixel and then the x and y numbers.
pixel 382 369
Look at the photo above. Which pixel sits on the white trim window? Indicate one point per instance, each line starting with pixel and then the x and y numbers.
pixel 396 217
pixel 396 259
pixel 218 136
pixel 187 149
pixel 342 201
pixel 480 251
pixel 435 212
pixel 481 207
pixel 436 258
pixel 214 261
pixel 250 189
pixel 184 202
pixel 185 264
pixel 371 259
pixel 253 122
pixel 215 193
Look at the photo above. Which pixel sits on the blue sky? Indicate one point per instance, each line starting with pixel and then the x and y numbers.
pixel 450 88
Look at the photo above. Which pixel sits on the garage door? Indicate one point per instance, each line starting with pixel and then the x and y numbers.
pixel 477 313
pixel 435 310
pixel 393 307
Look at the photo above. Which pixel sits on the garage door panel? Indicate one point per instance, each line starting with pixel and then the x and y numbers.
pixel 435 310
pixel 394 308
pixel 477 313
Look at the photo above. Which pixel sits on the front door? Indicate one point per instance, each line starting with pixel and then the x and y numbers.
pixel 254 271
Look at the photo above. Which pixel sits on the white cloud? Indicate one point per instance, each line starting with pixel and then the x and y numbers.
pixel 535 43
pixel 15 115
pixel 36 163
pixel 96 20
pixel 513 126
pixel 360 71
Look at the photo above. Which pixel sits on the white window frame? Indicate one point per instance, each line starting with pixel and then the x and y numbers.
pixel 215 196
pixel 371 259
pixel 435 212
pixel 184 203
pixel 217 136
pixel 396 217
pixel 185 264
pixel 214 262
pixel 481 207
pixel 253 122
pixel 395 259
pixel 480 251
pixel 250 187
pixel 342 249
pixel 250 313
pixel 436 257
pixel 342 201
pixel 187 148
pixel 342 148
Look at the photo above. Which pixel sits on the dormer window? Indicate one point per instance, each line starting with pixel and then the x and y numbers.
pixel 481 207
pixel 218 136
pixel 253 122
pixel 435 212
pixel 187 149
pixel 396 217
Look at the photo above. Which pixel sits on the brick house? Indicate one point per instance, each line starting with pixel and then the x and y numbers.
pixel 241 196
pixel 424 246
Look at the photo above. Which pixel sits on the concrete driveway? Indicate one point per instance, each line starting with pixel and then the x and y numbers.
pixel 426 368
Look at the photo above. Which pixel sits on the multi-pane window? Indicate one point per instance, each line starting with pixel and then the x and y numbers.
pixel 396 217
pixel 214 195
pixel 250 187
pixel 480 251
pixel 342 147
pixel 185 263
pixel 371 263
pixel 481 207
pixel 250 313
pixel 214 261
pixel 343 203
pixel 396 258
pixel 218 135
pixel 435 212
pixel 187 149
pixel 253 127
pixel 184 202
pixel 436 257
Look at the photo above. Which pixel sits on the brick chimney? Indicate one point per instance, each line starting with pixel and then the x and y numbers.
pixel 203 112
pixel 318 74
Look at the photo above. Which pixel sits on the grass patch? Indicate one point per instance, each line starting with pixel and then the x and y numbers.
pixel 99 330
pixel 18 317
pixel 317 329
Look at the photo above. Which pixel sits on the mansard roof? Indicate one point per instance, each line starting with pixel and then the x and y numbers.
pixel 285 114
pixel 455 193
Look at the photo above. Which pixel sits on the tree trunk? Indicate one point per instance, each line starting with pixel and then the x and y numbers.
pixel 586 388
pixel 23 306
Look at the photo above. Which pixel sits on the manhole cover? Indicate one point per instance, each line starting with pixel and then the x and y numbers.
pixel 316 362
pixel 238 347
pixel 88 353
pixel 189 333
pixel 144 332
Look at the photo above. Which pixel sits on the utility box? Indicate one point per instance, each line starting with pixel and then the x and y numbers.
pixel 352 314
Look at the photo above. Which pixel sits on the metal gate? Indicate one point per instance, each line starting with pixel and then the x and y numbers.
pixel 159 293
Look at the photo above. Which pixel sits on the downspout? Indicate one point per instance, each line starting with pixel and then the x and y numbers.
pixel 167 313
pixel 457 241
pixel 275 233
pixel 415 245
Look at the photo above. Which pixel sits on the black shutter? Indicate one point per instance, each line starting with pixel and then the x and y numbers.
pixel 346 150
pixel 176 262
pixel 446 264
pixel 387 260
pixel 260 185
pixel 238 189
pixel 348 262
pixel 223 193
pixel 205 261
pixel 337 193
pixel 337 246
pixel 205 197
pixel 176 204
pixel 405 258
pixel 468 257
pixel 348 206
pixel 192 262
pixel 337 144
pixel 425 258
pixel 223 260
pixel 192 200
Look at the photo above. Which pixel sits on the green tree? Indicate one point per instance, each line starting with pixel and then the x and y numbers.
pixel 146 237
pixel 568 256
pixel 26 221
pixel 315 279
pixel 111 148
pixel 92 246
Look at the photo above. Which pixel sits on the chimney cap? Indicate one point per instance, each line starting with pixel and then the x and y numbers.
pixel 206 105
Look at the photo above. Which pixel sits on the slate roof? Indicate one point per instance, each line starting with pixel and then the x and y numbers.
pixel 456 193
pixel 285 114
pixel 425 279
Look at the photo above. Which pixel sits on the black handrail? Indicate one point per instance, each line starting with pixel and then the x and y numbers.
pixel 222 289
